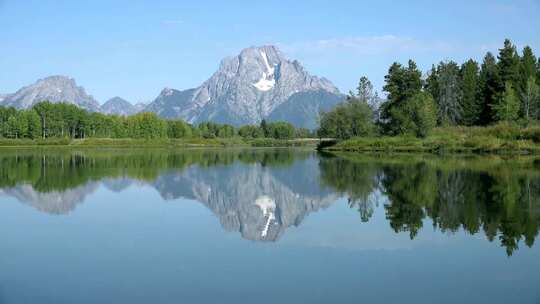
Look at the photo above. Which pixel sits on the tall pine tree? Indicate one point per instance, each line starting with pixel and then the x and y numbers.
pixel 401 84
pixel 528 67
pixel 509 64
pixel 490 87
pixel 471 93
pixel 432 83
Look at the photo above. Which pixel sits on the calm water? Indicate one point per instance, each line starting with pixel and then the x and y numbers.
pixel 266 226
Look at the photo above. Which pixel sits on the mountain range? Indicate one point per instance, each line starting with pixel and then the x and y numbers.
pixel 259 83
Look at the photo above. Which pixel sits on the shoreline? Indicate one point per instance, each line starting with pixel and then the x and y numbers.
pixel 157 143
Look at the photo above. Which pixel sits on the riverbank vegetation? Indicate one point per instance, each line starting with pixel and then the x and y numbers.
pixel 49 123
pixel 489 107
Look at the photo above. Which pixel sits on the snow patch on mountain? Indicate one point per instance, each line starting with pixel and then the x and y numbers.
pixel 237 93
pixel 267 81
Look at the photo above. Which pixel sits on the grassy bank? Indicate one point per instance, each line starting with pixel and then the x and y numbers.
pixel 503 138
pixel 129 143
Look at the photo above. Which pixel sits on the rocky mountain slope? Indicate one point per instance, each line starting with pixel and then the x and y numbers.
pixel 259 83
pixel 118 106
pixel 53 89
pixel 249 87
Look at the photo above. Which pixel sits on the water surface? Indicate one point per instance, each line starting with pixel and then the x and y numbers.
pixel 266 226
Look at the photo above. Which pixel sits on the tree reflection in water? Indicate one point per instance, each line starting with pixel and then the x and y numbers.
pixel 499 196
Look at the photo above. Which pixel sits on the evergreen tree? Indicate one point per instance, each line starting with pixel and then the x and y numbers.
pixel 507 107
pixel 509 64
pixel 528 66
pixel 490 86
pixel 432 83
pixel 401 84
pixel 469 74
pixel 450 94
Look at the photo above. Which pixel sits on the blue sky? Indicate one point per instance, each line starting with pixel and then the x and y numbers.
pixel 134 49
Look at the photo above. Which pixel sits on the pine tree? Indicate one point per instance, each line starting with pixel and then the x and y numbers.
pixel 450 94
pixel 507 107
pixel 509 64
pixel 528 66
pixel 432 83
pixel 401 85
pixel 471 98
pixel 490 86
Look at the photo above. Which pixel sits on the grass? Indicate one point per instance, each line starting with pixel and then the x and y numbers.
pixel 500 139
pixel 165 142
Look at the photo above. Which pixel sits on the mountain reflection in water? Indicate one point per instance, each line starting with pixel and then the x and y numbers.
pixel 262 192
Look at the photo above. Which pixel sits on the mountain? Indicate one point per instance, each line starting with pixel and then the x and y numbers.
pixel 118 106
pixel 2 97
pixel 140 106
pixel 53 89
pixel 249 87
pixel 302 109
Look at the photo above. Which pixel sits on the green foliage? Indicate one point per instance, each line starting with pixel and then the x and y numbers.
pixel 490 87
pixel 401 84
pixel 349 119
pixel 250 131
pixel 530 100
pixel 48 121
pixel 527 68
pixel 471 106
pixel 178 129
pixel 509 64
pixel 449 96
pixel 417 116
pixel 504 137
pixel 490 195
pixel 213 130
pixel 146 125
pixel 280 130
pixel 507 109
pixel 303 133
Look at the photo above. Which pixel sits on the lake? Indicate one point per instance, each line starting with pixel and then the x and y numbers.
pixel 267 226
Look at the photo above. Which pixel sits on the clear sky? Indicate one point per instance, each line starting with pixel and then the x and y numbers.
pixel 134 49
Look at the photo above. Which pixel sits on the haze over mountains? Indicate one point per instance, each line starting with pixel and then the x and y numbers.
pixel 259 83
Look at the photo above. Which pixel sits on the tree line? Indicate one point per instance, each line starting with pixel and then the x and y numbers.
pixel 62 120
pixel 500 89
